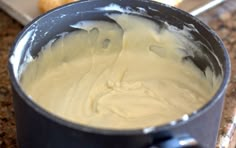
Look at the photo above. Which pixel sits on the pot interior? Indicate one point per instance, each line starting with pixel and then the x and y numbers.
pixel 54 23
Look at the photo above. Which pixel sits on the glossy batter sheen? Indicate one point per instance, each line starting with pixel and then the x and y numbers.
pixel 124 75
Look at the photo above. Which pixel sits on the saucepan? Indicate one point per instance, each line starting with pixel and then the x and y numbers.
pixel 37 128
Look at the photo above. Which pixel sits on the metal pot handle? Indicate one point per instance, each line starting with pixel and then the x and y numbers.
pixel 179 141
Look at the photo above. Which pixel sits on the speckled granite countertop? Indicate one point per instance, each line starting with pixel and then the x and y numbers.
pixel 222 19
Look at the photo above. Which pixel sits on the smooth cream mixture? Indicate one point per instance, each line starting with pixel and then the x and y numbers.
pixel 123 75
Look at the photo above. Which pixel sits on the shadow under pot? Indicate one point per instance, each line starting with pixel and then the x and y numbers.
pixel 39 128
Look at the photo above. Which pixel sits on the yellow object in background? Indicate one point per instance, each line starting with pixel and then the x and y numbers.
pixel 46 5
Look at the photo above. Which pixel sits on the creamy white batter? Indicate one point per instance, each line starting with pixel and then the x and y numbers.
pixel 122 76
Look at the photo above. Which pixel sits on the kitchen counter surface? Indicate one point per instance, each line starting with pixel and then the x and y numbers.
pixel 222 19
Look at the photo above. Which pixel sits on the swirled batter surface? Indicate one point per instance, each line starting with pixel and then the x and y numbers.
pixel 123 75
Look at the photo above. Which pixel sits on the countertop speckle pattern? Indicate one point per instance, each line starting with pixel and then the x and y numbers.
pixel 223 22
pixel 9 28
